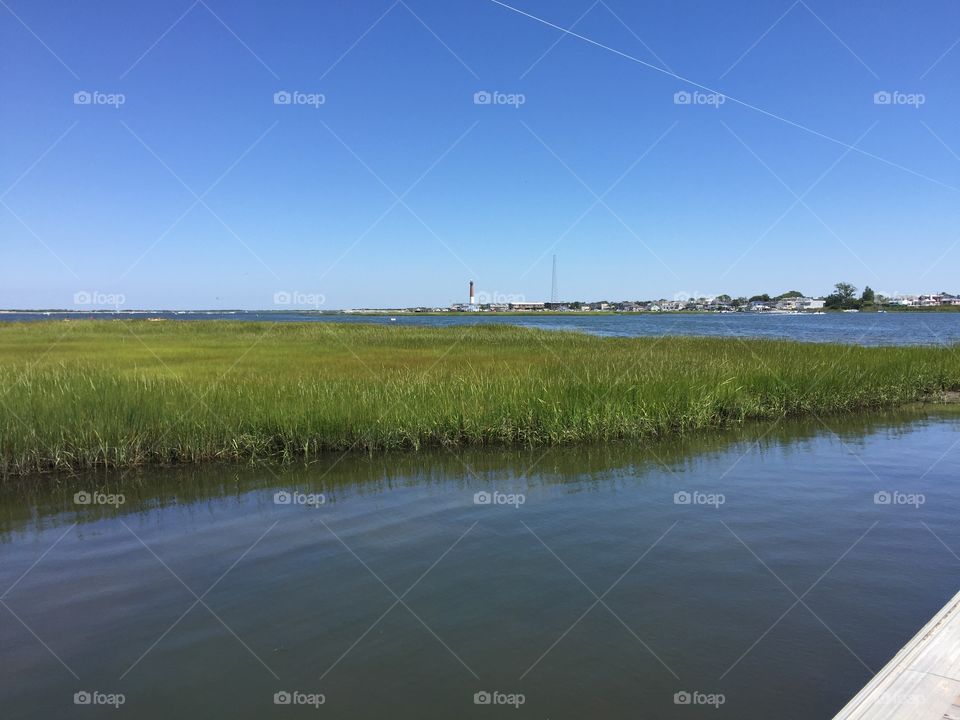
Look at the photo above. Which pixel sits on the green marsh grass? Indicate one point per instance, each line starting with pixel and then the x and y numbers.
pixel 83 394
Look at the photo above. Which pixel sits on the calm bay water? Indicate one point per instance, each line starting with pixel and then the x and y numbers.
pixel 398 596
pixel 893 328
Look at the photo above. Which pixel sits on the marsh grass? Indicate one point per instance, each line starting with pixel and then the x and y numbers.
pixel 83 394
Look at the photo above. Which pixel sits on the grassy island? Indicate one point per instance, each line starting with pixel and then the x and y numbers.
pixel 98 393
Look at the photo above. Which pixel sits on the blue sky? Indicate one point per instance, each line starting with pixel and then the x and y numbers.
pixel 198 191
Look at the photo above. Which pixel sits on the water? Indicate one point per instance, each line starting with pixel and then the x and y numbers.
pixel 695 597
pixel 893 328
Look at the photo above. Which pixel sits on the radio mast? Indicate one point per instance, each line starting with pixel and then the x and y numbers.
pixel 554 293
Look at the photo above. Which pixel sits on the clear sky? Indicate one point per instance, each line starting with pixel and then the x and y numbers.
pixel 199 191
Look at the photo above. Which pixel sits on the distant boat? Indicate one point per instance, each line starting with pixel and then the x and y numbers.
pixel 393 319
pixel 852 310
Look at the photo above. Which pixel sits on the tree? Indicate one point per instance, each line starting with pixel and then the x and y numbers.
pixel 843 296
pixel 868 295
pixel 760 298
pixel 723 298
pixel 845 290
pixel 790 294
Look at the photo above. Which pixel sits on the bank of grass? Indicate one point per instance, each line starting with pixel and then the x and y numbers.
pixel 84 394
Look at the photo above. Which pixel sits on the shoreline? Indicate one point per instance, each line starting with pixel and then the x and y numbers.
pixel 408 312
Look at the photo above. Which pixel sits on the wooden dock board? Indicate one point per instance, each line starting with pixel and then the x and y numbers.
pixel 922 681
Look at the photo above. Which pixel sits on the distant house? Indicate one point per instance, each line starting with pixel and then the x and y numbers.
pixel 527 305
pixel 717 304
pixel 928 300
